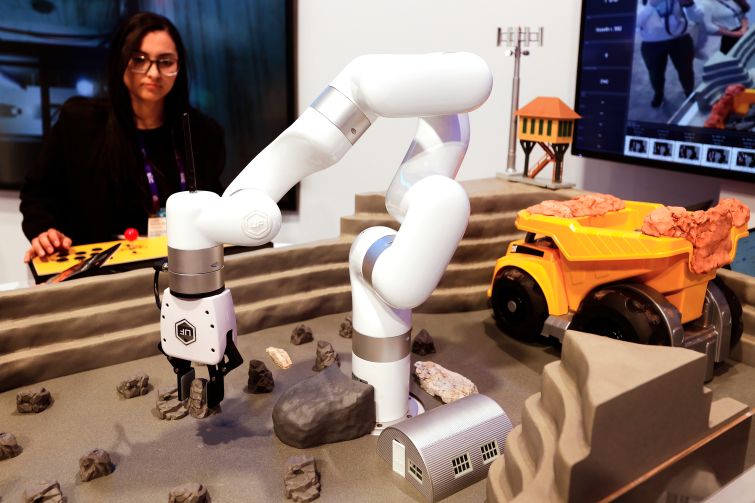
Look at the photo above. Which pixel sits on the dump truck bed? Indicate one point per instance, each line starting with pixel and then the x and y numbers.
pixel 613 236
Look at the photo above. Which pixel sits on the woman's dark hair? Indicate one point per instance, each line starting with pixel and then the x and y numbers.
pixel 744 5
pixel 120 135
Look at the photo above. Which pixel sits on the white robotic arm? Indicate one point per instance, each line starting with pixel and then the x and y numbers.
pixel 425 86
pixel 393 277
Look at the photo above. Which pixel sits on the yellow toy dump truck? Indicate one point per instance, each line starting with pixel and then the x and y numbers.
pixel 600 274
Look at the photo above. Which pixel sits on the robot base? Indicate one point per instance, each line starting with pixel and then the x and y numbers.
pixel 415 408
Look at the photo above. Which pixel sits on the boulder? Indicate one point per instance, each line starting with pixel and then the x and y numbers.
pixel 739 212
pixel 423 343
pixel 9 447
pixel 47 491
pixel 302 480
pixel 328 407
pixel 723 107
pixel 169 407
pixel 301 335
pixel 592 204
pixel 709 231
pixel 260 378
pixel 441 382
pixel 198 400
pixel 347 329
pixel 94 465
pixel 280 357
pixel 192 492
pixel 33 401
pixel 325 356
pixel 136 385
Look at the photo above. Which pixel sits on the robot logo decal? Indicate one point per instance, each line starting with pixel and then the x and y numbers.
pixel 186 332
pixel 257 224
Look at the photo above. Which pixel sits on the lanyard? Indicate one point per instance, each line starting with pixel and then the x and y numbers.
pixel 665 12
pixel 149 170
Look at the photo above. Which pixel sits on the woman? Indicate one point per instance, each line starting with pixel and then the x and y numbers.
pixel 108 165
pixel 727 19
pixel 664 31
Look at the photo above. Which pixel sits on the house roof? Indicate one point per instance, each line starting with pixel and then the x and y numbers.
pixel 547 108
pixel 453 419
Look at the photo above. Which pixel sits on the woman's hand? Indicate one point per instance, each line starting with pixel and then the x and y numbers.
pixel 738 33
pixel 744 28
pixel 46 243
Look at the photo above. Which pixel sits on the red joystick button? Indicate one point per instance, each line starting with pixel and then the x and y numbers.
pixel 131 234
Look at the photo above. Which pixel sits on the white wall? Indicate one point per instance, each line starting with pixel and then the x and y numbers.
pixel 332 32
pixel 13 244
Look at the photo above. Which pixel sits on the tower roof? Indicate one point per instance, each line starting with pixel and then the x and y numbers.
pixel 547 108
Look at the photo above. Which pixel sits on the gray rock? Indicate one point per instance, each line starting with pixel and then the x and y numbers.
pixel 33 401
pixel 169 407
pixel 439 381
pixel 302 480
pixel 189 493
pixel 9 447
pixel 47 491
pixel 423 343
pixel 94 465
pixel 325 356
pixel 347 329
pixel 136 385
pixel 301 335
pixel 327 407
pixel 198 400
pixel 260 378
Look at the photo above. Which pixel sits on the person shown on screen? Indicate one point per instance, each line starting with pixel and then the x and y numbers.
pixel 726 18
pixel 688 152
pixel 663 26
pixel 110 164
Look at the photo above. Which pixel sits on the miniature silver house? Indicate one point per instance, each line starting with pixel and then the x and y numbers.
pixel 447 448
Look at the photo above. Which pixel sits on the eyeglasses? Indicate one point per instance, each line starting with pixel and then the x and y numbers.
pixel 167 66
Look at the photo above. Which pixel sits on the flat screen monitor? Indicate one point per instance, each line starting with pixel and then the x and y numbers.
pixel 657 86
pixel 240 61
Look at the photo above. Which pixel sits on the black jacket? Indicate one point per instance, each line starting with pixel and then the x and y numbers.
pixel 72 187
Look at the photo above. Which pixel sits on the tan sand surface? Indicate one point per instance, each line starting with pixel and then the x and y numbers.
pixel 235 454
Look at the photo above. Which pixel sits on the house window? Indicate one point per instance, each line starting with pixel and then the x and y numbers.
pixel 532 126
pixel 568 128
pixel 489 451
pixel 524 124
pixel 461 465
pixel 415 471
pixel 550 123
pixel 540 126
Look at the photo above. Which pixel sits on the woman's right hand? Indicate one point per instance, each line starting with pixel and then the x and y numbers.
pixel 47 243
pixel 745 26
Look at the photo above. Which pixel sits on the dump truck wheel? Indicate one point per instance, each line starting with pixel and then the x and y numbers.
pixel 519 305
pixel 622 313
pixel 735 307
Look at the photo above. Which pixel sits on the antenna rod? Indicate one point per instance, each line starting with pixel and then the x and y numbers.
pixel 192 174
